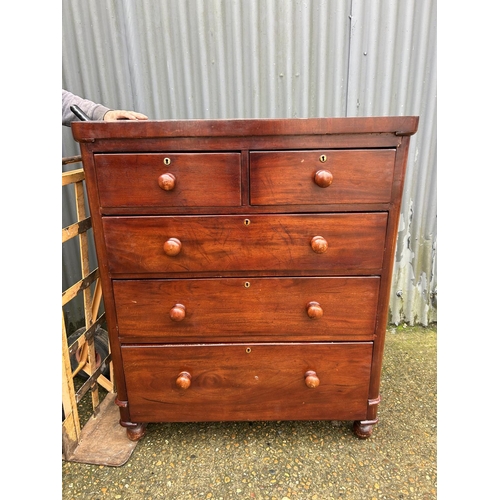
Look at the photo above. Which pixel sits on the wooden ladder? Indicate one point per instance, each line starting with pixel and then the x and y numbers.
pixel 84 344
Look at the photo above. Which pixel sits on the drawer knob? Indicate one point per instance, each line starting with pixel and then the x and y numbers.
pixel 183 380
pixel 172 247
pixel 178 312
pixel 319 244
pixel 323 178
pixel 166 182
pixel 311 379
pixel 314 310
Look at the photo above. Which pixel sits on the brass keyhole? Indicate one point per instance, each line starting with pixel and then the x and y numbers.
pixel 246 222
pixel 322 158
pixel 248 350
pixel 166 161
pixel 247 284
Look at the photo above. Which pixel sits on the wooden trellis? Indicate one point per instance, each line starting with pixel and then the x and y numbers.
pixel 72 431
pixel 85 342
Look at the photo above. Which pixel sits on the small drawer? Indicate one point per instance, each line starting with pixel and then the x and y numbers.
pixel 214 382
pixel 252 309
pixel 169 180
pixel 321 177
pixel 328 243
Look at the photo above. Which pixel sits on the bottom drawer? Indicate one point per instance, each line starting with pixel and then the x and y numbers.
pixel 222 382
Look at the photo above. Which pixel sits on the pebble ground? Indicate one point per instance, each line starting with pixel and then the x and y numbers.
pixel 291 460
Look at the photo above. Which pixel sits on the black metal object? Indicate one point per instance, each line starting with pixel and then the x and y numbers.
pixel 79 113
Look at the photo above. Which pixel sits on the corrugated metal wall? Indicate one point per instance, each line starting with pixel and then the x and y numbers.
pixel 272 58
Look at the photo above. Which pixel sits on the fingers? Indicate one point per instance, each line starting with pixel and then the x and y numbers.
pixel 121 114
pixel 133 115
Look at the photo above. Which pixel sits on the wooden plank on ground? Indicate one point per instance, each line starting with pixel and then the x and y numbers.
pixel 103 440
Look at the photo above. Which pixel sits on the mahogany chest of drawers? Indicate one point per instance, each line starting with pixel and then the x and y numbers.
pixel 246 264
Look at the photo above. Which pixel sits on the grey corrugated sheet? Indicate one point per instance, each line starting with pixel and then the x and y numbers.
pixel 273 58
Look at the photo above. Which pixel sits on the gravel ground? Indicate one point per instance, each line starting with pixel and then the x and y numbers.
pixel 291 460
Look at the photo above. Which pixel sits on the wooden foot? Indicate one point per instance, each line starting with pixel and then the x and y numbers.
pixel 137 432
pixel 134 431
pixel 364 428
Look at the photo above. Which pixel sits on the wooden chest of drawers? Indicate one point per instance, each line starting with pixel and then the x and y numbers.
pixel 246 264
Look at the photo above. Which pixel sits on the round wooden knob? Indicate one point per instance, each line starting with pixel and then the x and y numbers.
pixel 314 310
pixel 311 379
pixel 183 380
pixel 172 247
pixel 166 181
pixel 323 178
pixel 319 244
pixel 178 312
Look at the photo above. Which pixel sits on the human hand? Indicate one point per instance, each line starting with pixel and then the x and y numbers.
pixel 119 114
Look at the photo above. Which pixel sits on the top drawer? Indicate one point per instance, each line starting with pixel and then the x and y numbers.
pixel 321 177
pixel 169 179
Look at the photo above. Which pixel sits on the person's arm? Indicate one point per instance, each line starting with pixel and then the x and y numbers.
pixel 93 110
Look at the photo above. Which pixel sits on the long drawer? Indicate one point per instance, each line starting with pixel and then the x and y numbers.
pixel 169 179
pixel 321 177
pixel 333 243
pixel 238 309
pixel 247 381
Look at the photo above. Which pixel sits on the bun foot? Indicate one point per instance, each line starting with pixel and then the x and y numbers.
pixel 134 431
pixel 137 432
pixel 364 428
